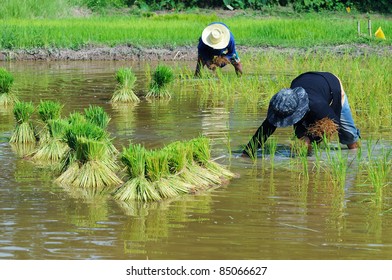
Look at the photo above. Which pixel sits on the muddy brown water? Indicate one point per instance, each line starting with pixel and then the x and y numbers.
pixel 269 212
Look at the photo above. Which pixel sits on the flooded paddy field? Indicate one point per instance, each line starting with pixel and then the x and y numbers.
pixel 276 209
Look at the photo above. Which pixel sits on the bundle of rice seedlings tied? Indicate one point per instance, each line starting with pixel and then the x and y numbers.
pixel 124 92
pixel 88 164
pixel 202 156
pixel 183 168
pixel 7 97
pixel 137 187
pixel 54 148
pixel 158 173
pixel 325 129
pixel 24 131
pixel 162 76
pixel 48 110
pixel 97 116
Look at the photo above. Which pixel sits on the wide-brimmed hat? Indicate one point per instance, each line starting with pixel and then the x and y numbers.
pixel 216 35
pixel 288 106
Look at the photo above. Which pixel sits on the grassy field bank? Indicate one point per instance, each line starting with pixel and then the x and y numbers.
pixel 173 30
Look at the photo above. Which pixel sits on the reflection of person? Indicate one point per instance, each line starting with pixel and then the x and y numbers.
pixel 312 96
pixel 216 48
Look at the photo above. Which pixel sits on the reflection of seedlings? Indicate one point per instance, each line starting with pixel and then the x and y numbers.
pixel 162 76
pixel 124 93
pixel 7 97
pixel 24 131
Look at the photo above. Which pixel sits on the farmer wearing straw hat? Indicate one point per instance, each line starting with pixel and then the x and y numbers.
pixel 312 96
pixel 216 48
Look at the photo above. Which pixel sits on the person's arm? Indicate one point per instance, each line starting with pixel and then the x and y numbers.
pixel 259 138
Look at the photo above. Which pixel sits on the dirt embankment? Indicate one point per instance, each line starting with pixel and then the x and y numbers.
pixel 185 53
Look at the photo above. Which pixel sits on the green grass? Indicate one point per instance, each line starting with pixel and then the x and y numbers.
pixel 185 29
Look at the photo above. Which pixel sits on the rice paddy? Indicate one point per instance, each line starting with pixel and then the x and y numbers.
pixel 150 159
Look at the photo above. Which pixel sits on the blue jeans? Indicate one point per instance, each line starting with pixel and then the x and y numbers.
pixel 348 132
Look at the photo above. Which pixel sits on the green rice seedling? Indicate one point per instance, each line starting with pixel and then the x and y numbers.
pixel 76 117
pixel 137 187
pixel 97 115
pixel 317 154
pixel 7 97
pixel 53 149
pixel 48 110
pixel 379 171
pixel 124 92
pixel 162 76
pixel 337 164
pixel 24 131
pixel 251 150
pixel 272 144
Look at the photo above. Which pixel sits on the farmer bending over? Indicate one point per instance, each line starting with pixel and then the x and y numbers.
pixel 311 97
pixel 216 48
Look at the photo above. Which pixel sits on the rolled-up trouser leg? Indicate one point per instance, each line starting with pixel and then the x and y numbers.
pixel 348 132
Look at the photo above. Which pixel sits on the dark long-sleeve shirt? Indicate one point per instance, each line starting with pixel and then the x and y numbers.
pixel 208 53
pixel 324 94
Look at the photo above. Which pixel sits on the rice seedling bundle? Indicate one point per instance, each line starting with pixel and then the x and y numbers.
pixel 137 187
pixel 181 167
pixel 162 76
pixel 97 115
pixel 94 173
pixel 6 82
pixel 24 131
pixel 54 147
pixel 88 163
pixel 126 80
pixel 324 128
pixel 158 172
pixel 202 155
pixel 48 110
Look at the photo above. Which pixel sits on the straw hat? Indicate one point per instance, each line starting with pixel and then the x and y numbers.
pixel 216 35
pixel 288 106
